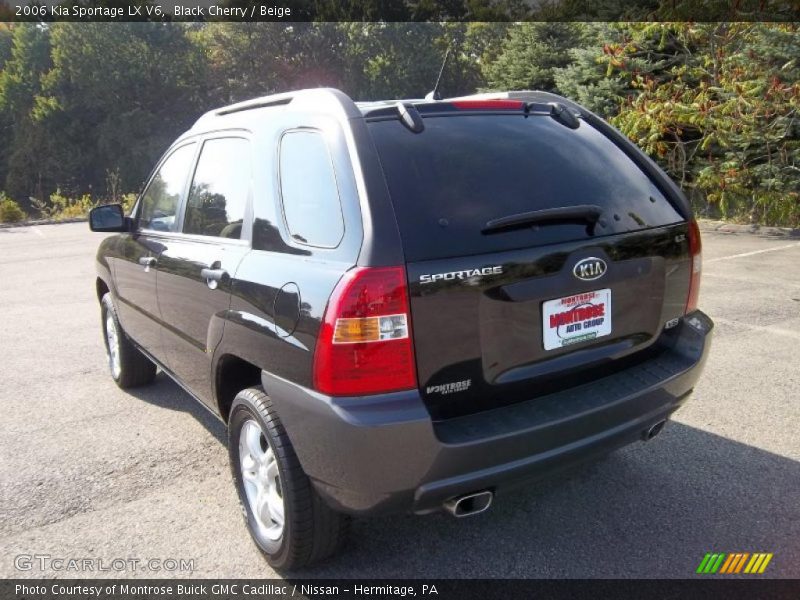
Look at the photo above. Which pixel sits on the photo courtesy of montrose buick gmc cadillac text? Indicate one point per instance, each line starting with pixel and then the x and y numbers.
pixel 405 306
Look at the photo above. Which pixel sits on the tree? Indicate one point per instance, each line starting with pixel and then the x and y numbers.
pixel 6 43
pixel 21 168
pixel 587 80
pixel 116 96
pixel 400 60
pixel 531 54
pixel 247 60
pixel 720 113
pixel 716 103
pixel 483 42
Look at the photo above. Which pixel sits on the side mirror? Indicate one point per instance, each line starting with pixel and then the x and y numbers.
pixel 108 218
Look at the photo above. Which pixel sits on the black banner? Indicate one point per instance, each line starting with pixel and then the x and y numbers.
pixel 439 589
pixel 401 10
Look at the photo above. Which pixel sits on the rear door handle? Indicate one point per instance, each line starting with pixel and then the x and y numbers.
pixel 147 262
pixel 213 276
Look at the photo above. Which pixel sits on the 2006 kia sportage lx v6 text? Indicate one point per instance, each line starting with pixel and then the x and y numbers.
pixel 404 305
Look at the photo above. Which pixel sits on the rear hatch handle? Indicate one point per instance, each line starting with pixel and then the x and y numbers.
pixel 582 213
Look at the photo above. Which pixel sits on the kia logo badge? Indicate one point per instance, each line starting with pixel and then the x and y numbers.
pixel 590 268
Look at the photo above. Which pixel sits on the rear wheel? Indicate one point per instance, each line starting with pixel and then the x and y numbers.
pixel 287 519
pixel 128 366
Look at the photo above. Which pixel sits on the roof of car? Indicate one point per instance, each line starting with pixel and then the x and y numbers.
pixel 321 100
pixel 333 101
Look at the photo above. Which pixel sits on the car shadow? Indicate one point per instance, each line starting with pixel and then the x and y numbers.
pixel 165 393
pixel 649 510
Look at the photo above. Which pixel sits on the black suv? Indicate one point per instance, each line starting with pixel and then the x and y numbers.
pixel 405 305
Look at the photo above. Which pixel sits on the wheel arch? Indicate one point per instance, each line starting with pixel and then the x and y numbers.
pixel 101 288
pixel 232 374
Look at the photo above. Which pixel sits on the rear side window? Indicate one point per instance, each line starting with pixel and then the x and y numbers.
pixel 462 171
pixel 220 189
pixel 309 193
pixel 161 198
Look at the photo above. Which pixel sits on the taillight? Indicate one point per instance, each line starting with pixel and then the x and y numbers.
pixel 364 345
pixel 696 254
pixel 488 104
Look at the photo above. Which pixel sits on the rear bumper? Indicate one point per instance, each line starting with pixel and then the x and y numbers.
pixel 382 454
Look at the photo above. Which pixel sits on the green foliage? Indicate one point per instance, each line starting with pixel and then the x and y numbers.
pixel 87 108
pixel 586 78
pixel 252 59
pixel 531 53
pixel 6 41
pixel 718 107
pixel 10 211
pixel 403 60
pixel 21 164
pixel 62 207
pixel 127 201
pixel 59 207
pixel 119 91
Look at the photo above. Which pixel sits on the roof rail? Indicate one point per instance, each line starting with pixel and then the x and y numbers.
pixel 261 102
pixel 323 98
pixel 251 104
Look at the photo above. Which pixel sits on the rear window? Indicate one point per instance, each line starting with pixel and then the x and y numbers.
pixel 462 171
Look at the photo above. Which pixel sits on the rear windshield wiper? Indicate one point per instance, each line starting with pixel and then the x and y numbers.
pixel 582 213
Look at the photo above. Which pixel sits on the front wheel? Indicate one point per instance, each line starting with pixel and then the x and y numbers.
pixel 287 519
pixel 129 367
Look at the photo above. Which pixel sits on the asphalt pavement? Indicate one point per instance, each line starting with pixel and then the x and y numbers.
pixel 88 471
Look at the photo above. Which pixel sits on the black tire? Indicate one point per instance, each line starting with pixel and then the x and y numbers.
pixel 311 529
pixel 135 368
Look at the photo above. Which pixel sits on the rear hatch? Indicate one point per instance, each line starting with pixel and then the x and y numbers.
pixel 538 256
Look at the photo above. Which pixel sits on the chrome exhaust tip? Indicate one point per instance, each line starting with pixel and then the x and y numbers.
pixel 469 504
pixel 654 430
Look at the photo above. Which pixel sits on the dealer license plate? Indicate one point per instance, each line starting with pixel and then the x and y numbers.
pixel 574 319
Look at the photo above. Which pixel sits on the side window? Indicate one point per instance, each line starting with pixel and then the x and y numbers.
pixel 309 193
pixel 220 188
pixel 161 199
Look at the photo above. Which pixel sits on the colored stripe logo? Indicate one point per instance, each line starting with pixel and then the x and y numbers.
pixel 734 563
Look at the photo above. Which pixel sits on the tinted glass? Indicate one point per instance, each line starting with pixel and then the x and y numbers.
pixel 220 188
pixel 463 171
pixel 162 197
pixel 308 189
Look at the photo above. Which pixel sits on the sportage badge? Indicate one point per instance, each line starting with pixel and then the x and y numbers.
pixel 590 268
pixel 468 274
